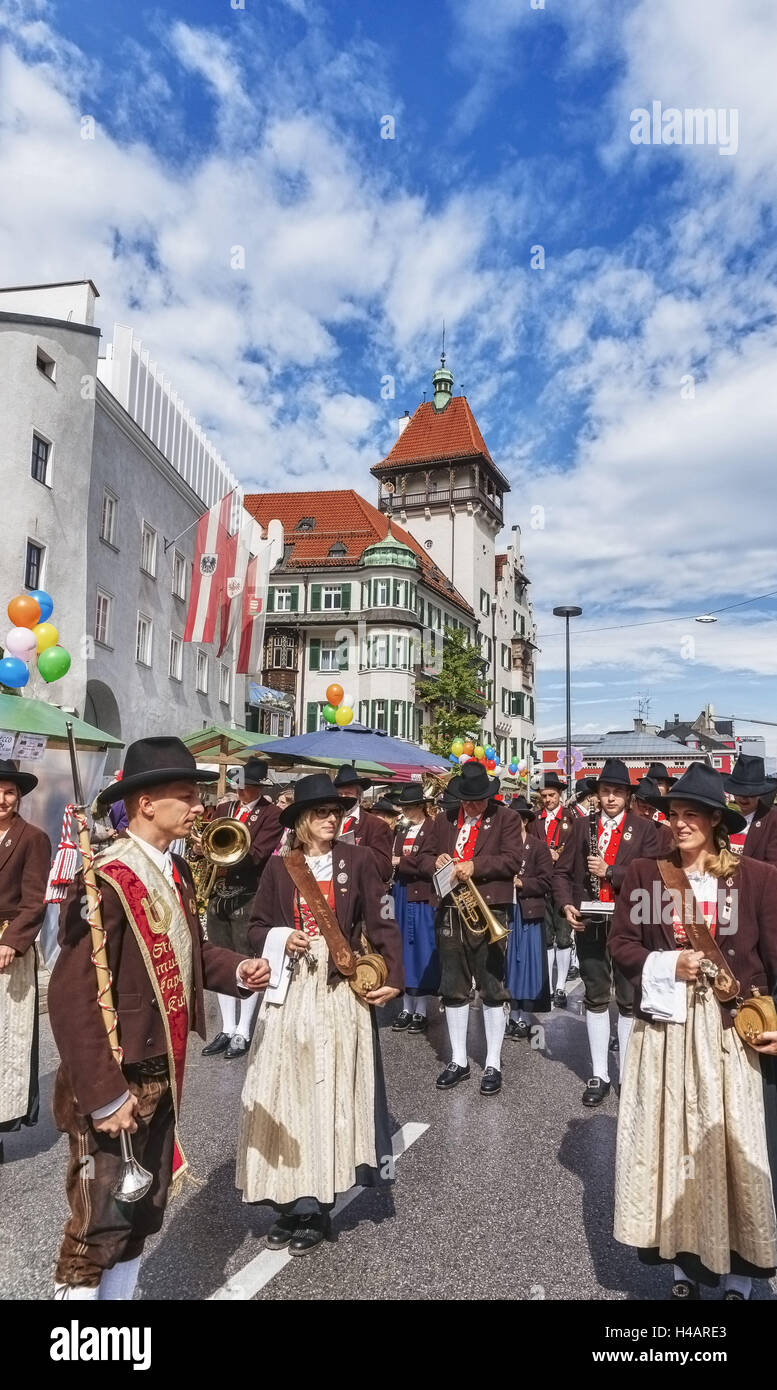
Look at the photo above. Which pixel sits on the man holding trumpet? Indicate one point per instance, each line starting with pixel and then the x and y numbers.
pixel 122 1055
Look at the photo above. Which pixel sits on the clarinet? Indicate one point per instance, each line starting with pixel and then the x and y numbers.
pixel 594 883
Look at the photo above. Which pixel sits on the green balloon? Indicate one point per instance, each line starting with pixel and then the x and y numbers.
pixel 330 714
pixel 53 663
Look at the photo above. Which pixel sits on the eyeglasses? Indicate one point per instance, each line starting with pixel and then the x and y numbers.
pixel 324 812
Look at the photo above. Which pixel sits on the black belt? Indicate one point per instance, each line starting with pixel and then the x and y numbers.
pixel 150 1066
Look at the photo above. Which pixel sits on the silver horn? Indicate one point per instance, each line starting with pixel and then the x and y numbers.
pixel 134 1181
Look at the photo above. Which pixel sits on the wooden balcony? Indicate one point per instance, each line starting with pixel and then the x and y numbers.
pixel 442 496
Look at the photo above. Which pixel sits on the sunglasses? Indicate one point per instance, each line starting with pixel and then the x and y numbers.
pixel 324 812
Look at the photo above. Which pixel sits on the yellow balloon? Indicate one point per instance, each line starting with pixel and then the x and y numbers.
pixel 343 715
pixel 46 635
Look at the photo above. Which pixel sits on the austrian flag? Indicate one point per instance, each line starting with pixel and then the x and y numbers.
pixel 210 574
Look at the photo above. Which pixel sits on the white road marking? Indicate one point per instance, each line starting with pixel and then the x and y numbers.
pixel 252 1277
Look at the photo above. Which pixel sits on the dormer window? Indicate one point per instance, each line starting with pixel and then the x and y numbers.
pixel 306 523
pixel 338 549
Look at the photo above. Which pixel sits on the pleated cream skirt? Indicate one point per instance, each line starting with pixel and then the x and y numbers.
pixel 692 1171
pixel 18 999
pixel 308 1105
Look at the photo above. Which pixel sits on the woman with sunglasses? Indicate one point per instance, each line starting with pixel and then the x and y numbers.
pixel 314 1116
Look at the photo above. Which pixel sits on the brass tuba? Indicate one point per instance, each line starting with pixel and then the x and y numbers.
pixel 475 912
pixel 224 843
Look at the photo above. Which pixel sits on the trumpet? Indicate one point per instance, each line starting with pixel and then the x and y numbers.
pixel 476 914
pixel 224 843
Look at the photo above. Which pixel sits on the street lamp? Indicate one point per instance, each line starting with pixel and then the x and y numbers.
pixel 567 612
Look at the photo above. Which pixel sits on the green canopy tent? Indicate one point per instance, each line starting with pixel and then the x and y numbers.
pixel 23 715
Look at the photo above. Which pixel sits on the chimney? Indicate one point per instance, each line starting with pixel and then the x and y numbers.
pixel 403 422
pixel 639 725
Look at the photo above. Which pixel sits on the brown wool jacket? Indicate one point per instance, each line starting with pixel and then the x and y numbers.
pixel 25 860
pixel 407 871
pixel 498 851
pixel 375 835
pixel 639 840
pixel 536 875
pixel 761 842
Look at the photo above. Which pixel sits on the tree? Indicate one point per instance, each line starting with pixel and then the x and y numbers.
pixel 453 694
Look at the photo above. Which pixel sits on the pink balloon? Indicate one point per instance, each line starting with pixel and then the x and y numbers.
pixel 20 642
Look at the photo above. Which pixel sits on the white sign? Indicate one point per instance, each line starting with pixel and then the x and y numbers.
pixel 7 740
pixel 31 747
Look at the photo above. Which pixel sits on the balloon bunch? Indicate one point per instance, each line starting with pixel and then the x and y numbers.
pixel 339 706
pixel 465 750
pixel 32 635
pixel 518 769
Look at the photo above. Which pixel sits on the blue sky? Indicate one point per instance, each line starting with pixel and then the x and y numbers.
pixel 627 389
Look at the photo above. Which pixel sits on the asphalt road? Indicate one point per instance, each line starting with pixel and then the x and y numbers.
pixel 505 1197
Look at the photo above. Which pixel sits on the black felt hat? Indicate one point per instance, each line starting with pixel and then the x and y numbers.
pixel 473 783
pixel 523 807
pixel 658 773
pixel 615 772
pixel 23 780
pixel 748 778
pixel 150 762
pixel 649 791
pixel 316 790
pixel 254 772
pixel 552 782
pixel 412 794
pixel 382 807
pixel 585 786
pixel 347 776
pixel 705 786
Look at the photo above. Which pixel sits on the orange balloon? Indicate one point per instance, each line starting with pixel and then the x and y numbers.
pixel 24 611
pixel 334 693
pixel 469 747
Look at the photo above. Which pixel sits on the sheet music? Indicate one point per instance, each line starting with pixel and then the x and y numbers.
pixel 444 880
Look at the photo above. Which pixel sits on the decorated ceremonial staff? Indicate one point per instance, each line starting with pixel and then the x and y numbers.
pixel 481 841
pixel 554 824
pixel 125 991
pixel 361 825
pixel 590 870
pixel 412 895
pixel 754 794
pixel 527 960
pixel 25 856
pixel 233 893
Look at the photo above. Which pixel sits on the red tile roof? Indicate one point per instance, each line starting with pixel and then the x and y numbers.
pixel 341 517
pixel 439 435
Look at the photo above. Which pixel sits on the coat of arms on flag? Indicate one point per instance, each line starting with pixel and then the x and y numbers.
pixel 234 586
pixel 208 564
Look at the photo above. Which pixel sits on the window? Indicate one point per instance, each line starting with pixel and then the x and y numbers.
pixel 717 762
pixel 179 575
pixel 306 523
pixel 143 640
pixel 224 674
pixel 505 657
pixel 400 652
pixel 102 618
pixel 382 587
pixel 202 672
pixel 108 518
pixel 33 566
pixel 338 549
pixel 332 596
pixel 283 655
pixel 379 652
pixel 329 597
pixel 175 658
pixel 329 657
pixel 485 603
pixel 39 463
pixel 283 600
pixel 380 714
pixel 46 365
pixel 148 550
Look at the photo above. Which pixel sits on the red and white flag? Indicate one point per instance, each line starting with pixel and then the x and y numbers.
pixel 254 609
pixel 238 553
pixel 210 559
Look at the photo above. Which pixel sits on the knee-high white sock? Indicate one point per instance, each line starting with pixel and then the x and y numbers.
pixel 563 957
pixel 739 1283
pixel 457 1018
pixel 419 1005
pixel 247 1011
pixel 551 958
pixel 625 1026
pixel 495 1024
pixel 70 1293
pixel 228 1007
pixel 598 1029
pixel 408 1004
pixel 118 1284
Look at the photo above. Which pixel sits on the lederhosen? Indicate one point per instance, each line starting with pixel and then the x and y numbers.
pixel 466 956
pixel 558 932
pixel 597 968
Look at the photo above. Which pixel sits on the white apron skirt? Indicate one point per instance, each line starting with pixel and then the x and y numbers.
pixel 18 1035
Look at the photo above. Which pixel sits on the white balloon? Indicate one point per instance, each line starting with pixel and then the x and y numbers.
pixel 348 699
pixel 20 642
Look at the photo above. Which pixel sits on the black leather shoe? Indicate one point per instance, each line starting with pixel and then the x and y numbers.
pixel 559 999
pixel 402 1021
pixel 418 1024
pixel 238 1047
pixel 491 1083
pixel 595 1092
pixel 516 1029
pixel 310 1231
pixel 574 973
pixel 452 1076
pixel 281 1232
pixel 220 1044
pixel 684 1291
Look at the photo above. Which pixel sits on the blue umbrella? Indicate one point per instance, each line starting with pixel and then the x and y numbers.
pixel 356 742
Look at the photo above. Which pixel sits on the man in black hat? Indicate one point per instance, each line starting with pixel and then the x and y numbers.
pixel 363 826
pixel 657 773
pixel 646 801
pixel 592 867
pixel 554 825
pixel 754 794
pixel 160 965
pixel 233 893
pixel 25 858
pixel 483 840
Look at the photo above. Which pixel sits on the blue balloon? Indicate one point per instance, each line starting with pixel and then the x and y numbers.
pixel 13 672
pixel 490 752
pixel 46 603
pixel 513 768
pixel 452 758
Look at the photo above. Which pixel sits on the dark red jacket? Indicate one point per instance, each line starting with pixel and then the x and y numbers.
pixel 639 840
pixel 750 949
pixel 361 904
pixel 536 875
pixel 498 851
pixel 25 860
pixel 761 842
pixel 375 835
pixel 408 871
pixel 566 824
pixel 76 1020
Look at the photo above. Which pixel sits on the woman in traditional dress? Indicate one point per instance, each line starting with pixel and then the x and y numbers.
pixel 527 959
pixel 415 914
pixel 693 1185
pixel 314 1119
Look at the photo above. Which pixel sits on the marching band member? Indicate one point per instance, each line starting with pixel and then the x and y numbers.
pixel 527 978
pixel 754 793
pixel 367 829
pixel 314 1120
pixel 414 911
pixel 693 1184
pixel 25 857
pixel 554 823
pixel 386 811
pixel 657 773
pixel 160 966
pixel 620 836
pixel 646 801
pixel 484 841
pixel 232 896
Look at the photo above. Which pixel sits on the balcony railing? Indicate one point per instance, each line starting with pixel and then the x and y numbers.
pixel 440 495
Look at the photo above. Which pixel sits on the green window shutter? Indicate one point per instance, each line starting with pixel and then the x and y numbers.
pixel 315 598
pixel 315 653
pixel 271 599
pixel 295 600
pixel 345 596
pixel 366 594
pixel 342 656
pixel 312 717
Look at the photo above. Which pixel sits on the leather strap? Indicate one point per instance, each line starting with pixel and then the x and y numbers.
pixel 725 986
pixel 327 923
